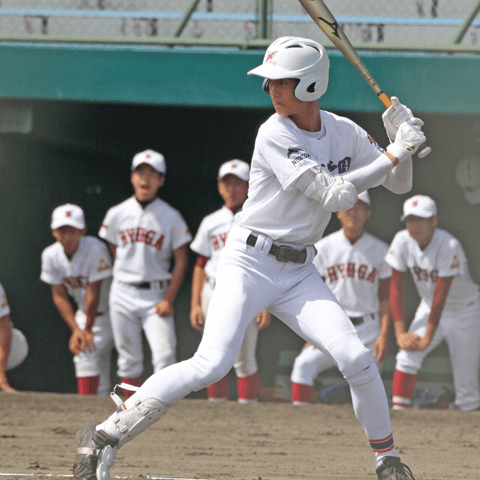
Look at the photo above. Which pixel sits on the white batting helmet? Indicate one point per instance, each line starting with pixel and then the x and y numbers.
pixel 299 58
pixel 468 177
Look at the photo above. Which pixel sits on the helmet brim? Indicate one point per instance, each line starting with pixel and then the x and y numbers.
pixel 272 72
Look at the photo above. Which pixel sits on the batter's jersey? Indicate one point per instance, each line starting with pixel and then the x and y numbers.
pixel 443 257
pixel 211 237
pixel 353 272
pixel 275 207
pixel 4 306
pixel 145 239
pixel 90 263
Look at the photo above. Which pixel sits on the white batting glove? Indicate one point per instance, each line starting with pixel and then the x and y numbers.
pixel 394 116
pixel 408 140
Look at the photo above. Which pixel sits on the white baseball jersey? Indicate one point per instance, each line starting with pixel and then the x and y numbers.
pixel 443 257
pixel 353 272
pixel 275 207
pixel 145 239
pixel 212 236
pixel 4 306
pixel 90 263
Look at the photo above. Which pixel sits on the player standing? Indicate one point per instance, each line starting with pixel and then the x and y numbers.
pixel 13 344
pixel 144 233
pixel 79 266
pixel 208 244
pixel 352 264
pixel 267 260
pixel 449 308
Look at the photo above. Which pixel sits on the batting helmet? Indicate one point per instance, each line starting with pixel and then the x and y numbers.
pixel 299 58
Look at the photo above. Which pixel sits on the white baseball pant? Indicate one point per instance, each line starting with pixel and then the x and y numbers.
pixel 461 332
pixel 132 310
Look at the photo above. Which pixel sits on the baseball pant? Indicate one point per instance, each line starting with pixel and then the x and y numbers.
pixel 461 331
pixel 250 280
pixel 132 310
pixel 98 361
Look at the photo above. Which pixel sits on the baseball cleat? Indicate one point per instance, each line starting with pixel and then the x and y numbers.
pixel 393 469
pixel 96 452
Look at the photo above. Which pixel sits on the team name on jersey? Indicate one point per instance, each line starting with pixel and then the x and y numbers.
pixel 350 270
pixel 218 240
pixel 140 235
pixel 342 166
pixel 424 275
pixel 75 282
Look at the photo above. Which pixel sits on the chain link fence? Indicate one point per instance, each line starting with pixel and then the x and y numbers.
pixel 411 22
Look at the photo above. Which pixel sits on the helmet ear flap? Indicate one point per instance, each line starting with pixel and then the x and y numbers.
pixel 265 86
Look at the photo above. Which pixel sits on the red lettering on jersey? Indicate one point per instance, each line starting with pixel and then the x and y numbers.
pixel 332 274
pixel 131 234
pixel 159 242
pixel 215 244
pixel 223 238
pixel 362 271
pixel 103 266
pixel 351 270
pixel 123 237
pixel 149 237
pixel 341 269
pixel 371 277
pixel 140 235
pixel 423 275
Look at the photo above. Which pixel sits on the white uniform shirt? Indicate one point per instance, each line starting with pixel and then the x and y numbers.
pixel 443 257
pixel 90 263
pixel 275 207
pixel 145 239
pixel 4 306
pixel 211 237
pixel 353 272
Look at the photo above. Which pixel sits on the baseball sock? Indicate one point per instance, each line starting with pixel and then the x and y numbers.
pixel 88 385
pixel 136 382
pixel 403 390
pixel 302 394
pixel 218 392
pixel 248 388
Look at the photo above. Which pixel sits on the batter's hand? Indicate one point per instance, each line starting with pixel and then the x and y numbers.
pixel 76 343
pixel 196 318
pixel 409 341
pixel 394 116
pixel 263 319
pixel 164 309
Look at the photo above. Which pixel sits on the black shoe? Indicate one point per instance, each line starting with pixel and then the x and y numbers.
pixel 96 452
pixel 393 469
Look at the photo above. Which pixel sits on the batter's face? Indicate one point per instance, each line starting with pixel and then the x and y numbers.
pixel 421 229
pixel 282 93
pixel 353 220
pixel 233 191
pixel 146 181
pixel 69 238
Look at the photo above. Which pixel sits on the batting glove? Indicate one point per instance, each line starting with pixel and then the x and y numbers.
pixel 394 116
pixel 408 140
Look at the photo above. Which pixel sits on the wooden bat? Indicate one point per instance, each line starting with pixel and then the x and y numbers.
pixel 322 16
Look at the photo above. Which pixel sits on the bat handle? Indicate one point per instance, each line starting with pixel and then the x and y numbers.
pixel 423 151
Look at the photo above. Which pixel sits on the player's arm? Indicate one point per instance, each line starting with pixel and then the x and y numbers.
pixel 381 343
pixel 5 343
pixel 198 281
pixel 113 250
pixel 65 309
pixel 92 299
pixel 180 256
pixel 263 319
pixel 442 287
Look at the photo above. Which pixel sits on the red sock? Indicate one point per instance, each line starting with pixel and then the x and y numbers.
pixel 403 390
pixel 218 391
pixel 136 382
pixel 302 394
pixel 248 388
pixel 87 385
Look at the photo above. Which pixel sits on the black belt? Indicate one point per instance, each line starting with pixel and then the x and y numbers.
pixel 283 253
pixel 148 285
pixel 359 320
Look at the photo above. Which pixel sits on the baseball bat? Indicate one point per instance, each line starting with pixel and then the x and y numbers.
pixel 324 18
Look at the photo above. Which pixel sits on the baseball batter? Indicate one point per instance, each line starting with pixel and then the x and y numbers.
pixel 144 234
pixel 79 266
pixel 306 164
pixel 13 344
pixel 352 263
pixel 208 244
pixel 449 308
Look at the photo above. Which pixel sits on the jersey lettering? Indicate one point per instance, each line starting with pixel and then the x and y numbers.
pixel 75 282
pixel 139 235
pixel 218 240
pixel 423 275
pixel 351 271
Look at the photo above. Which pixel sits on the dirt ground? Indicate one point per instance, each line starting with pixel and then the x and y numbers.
pixel 267 441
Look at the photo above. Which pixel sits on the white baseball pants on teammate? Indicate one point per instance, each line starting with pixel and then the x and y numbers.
pixel 132 310
pixel 98 361
pixel 461 332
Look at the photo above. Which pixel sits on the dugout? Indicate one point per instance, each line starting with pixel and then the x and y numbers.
pixel 72 117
